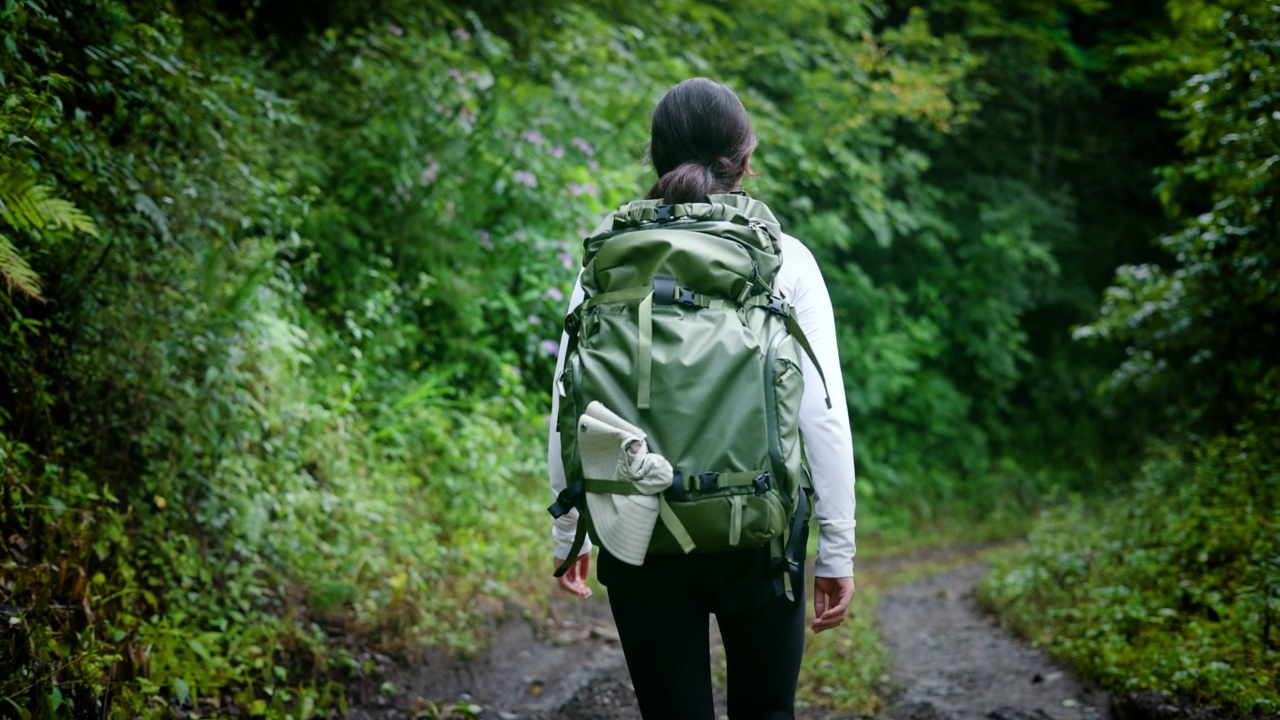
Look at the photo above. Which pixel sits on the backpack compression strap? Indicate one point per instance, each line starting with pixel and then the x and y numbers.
pixel 665 512
pixel 574 496
pixel 777 306
pixel 668 293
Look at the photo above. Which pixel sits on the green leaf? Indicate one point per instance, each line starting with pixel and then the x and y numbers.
pixel 16 272
pixel 198 648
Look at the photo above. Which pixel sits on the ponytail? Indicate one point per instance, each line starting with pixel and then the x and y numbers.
pixel 688 182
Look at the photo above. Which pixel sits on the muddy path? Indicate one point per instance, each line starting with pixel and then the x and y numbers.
pixel 950 662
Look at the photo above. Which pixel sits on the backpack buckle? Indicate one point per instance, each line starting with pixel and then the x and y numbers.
pixel 777 306
pixel 761 483
pixel 565 501
pixel 664 213
pixel 707 481
pixel 684 296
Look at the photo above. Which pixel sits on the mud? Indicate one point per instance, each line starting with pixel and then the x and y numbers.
pixel 951 662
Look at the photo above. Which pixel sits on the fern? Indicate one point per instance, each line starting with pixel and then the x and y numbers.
pixel 17 273
pixel 33 208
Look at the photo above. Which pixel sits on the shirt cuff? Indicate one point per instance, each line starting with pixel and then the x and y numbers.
pixel 563 531
pixel 836 548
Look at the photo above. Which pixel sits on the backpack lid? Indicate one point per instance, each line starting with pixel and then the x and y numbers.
pixel 737 216
pixel 724 207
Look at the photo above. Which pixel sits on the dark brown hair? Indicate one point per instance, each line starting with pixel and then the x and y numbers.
pixel 700 141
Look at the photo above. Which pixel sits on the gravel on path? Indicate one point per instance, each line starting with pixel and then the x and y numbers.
pixel 954 662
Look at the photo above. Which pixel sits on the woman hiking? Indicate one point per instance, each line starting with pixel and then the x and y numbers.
pixel 700 145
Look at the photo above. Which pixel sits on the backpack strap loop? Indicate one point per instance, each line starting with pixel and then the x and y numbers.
pixel 665 290
pixel 569 498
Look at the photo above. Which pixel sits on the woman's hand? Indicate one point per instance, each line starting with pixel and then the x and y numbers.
pixel 831 597
pixel 574 580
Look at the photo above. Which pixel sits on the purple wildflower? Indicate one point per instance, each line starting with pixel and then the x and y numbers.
pixel 431 171
pixel 533 137
pixel 395 29
pixel 584 146
pixel 526 178
pixel 565 259
pixel 485 241
pixel 555 294
pixel 556 151
pixel 462 34
pixel 533 320
pixel 550 347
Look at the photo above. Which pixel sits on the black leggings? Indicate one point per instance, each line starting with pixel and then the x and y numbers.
pixel 662 610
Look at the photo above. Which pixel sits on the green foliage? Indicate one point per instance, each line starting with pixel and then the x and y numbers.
pixel 1201 329
pixel 31 208
pixel 846 669
pixel 301 278
pixel 1175 588
pixel 189 463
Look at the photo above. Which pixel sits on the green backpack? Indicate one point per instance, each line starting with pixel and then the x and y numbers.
pixel 682 334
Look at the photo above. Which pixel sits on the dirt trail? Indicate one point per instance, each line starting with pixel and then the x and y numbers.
pixel 951 662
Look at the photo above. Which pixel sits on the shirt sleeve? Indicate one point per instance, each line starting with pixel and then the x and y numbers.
pixel 565 527
pixel 828 439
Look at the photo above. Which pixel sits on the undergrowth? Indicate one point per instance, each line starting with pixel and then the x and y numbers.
pixel 1175 587
pixel 846 669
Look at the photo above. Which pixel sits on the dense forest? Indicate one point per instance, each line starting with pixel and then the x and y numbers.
pixel 282 283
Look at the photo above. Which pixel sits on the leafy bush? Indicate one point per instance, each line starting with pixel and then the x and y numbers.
pixel 1174 588
pixel 301 274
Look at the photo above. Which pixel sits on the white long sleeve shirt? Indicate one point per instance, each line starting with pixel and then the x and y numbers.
pixel 827 438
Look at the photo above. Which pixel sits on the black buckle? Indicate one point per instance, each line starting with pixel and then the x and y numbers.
pixel 684 296
pixel 776 305
pixel 707 481
pixel 565 502
pixel 761 483
pixel 664 213
pixel 572 323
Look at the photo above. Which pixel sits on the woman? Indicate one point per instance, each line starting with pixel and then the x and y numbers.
pixel 701 144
